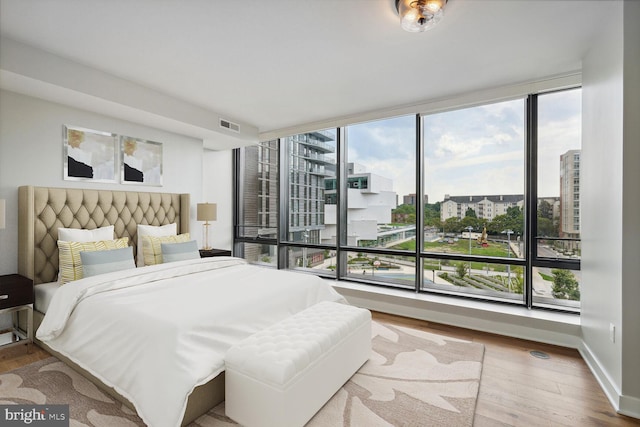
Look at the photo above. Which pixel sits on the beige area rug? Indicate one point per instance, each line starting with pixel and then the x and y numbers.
pixel 413 378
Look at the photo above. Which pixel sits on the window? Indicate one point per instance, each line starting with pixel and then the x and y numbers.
pixel 257 207
pixel 557 259
pixel 381 159
pixel 311 202
pixel 480 202
pixel 474 164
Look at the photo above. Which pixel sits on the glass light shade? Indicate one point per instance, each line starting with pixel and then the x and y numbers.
pixel 420 15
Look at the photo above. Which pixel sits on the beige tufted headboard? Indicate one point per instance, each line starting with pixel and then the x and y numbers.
pixel 42 210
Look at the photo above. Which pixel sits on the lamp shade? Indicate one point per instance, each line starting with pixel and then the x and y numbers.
pixel 207 212
pixel 2 213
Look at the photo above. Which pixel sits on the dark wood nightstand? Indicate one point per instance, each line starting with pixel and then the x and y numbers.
pixel 17 296
pixel 206 253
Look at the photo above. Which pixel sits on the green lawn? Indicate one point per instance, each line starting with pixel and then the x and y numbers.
pixel 459 247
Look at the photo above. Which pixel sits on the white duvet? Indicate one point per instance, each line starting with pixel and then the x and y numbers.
pixel 155 333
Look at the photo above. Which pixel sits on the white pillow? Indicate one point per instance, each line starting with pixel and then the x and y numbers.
pixel 152 231
pixel 81 235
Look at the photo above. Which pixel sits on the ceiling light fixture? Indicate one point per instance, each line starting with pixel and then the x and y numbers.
pixel 420 15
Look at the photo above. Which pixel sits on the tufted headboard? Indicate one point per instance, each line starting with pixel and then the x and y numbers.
pixel 42 210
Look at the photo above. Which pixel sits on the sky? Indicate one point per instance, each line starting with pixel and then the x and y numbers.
pixel 473 151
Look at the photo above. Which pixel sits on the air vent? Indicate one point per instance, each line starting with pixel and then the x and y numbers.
pixel 229 125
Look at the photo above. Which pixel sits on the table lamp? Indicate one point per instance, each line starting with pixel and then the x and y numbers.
pixel 207 212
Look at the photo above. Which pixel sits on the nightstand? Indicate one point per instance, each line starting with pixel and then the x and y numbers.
pixel 16 297
pixel 206 253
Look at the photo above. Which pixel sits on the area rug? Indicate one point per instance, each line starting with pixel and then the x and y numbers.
pixel 413 378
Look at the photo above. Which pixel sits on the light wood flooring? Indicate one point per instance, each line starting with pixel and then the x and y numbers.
pixel 516 389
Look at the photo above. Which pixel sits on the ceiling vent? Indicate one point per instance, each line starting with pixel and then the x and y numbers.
pixel 234 127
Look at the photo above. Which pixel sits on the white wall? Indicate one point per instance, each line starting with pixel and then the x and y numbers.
pixel 31 154
pixel 610 204
pixel 217 167
pixel 630 401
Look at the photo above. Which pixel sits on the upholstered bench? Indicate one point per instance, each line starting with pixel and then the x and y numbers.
pixel 282 375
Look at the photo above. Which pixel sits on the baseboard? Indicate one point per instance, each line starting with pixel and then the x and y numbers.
pixel 629 406
pixel 606 383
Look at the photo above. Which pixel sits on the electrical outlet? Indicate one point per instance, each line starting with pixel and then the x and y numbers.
pixel 612 332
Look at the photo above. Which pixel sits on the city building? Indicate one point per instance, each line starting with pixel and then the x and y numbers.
pixel 485 207
pixel 412 199
pixel 309 166
pixel 370 199
pixel 260 201
pixel 570 194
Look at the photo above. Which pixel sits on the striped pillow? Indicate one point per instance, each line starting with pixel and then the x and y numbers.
pixel 179 251
pixel 99 262
pixel 70 261
pixel 152 249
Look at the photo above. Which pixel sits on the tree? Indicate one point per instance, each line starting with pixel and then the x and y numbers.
pixel 470 221
pixel 432 214
pixel 452 225
pixel 461 270
pixel 513 220
pixel 545 210
pixel 470 213
pixel 405 214
pixel 565 285
pixel 547 227
pixel 405 209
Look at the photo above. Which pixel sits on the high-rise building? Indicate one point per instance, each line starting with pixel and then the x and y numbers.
pixel 260 196
pixel 570 194
pixel 309 165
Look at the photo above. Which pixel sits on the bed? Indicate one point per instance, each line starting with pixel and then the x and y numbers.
pixel 235 298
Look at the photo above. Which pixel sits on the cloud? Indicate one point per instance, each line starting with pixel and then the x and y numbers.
pixel 472 151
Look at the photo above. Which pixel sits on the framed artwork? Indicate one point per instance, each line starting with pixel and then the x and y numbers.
pixel 89 155
pixel 141 161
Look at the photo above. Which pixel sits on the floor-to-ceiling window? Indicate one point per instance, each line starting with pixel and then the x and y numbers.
pixel 474 166
pixel 310 220
pixel 556 254
pixel 256 208
pixel 380 170
pixel 481 202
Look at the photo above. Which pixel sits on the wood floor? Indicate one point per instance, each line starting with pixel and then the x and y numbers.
pixel 516 388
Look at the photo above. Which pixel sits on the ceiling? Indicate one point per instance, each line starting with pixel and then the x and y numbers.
pixel 279 63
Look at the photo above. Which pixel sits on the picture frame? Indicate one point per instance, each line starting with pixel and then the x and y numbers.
pixel 89 155
pixel 141 161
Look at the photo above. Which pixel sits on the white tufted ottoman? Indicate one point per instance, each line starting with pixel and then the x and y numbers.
pixel 281 376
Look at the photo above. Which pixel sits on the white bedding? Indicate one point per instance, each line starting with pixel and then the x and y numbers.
pixel 44 293
pixel 157 332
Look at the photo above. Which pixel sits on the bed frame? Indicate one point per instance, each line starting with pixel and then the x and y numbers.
pixel 42 210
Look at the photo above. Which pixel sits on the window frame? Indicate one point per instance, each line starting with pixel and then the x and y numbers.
pixel 341 247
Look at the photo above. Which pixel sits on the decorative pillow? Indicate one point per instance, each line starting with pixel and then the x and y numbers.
pixel 152 249
pixel 99 262
pixel 179 251
pixel 155 231
pixel 70 261
pixel 82 235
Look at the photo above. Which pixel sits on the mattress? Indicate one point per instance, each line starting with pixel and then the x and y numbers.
pixel 43 294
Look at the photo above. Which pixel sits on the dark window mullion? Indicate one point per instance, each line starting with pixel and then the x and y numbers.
pixel 531 194
pixel 419 202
